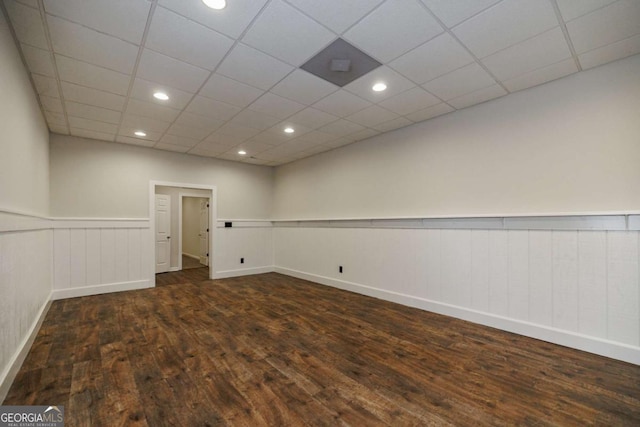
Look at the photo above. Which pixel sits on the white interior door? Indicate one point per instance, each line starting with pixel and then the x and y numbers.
pixel 204 231
pixel 163 233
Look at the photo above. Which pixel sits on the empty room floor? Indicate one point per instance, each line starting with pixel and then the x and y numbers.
pixel 278 351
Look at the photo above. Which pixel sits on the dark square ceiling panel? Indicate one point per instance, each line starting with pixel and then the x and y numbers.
pixel 340 63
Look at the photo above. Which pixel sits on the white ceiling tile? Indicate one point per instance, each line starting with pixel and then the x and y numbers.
pixel 279 128
pixel 453 12
pixel 84 133
pixel 304 87
pixel 212 108
pixel 506 24
pixel 143 90
pixel 372 116
pixel 85 95
pixel 171 147
pixel 312 118
pixel 542 75
pixel 341 103
pixel 537 52
pixel 611 52
pixel 395 84
pixel 227 90
pixel 187 131
pixel 254 119
pixel 39 61
pixel 276 106
pixel 90 46
pixel 135 141
pixel 93 113
pixel 481 95
pixel 27 24
pixel 46 86
pixel 55 118
pixel 341 128
pixel 51 104
pixel 178 37
pixel 205 151
pixel 571 9
pixel 125 19
pixel 394 124
pixel 432 59
pixel 410 101
pixel 162 69
pixel 610 24
pixel 61 129
pixel 240 132
pixel 316 137
pixel 460 82
pixel 393 28
pixel 73 71
pixel 198 121
pixel 285 33
pixel 88 124
pixel 151 110
pixel 232 21
pixel 430 112
pixel 223 142
pixel 358 136
pixel 253 67
pixel 254 146
pixel 178 141
pixel 338 15
pixel 145 124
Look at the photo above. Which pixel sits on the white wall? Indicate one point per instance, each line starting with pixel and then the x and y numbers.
pixel 109 180
pixel 567 146
pixel 25 241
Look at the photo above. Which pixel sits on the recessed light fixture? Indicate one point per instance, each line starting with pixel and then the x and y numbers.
pixel 289 130
pixel 242 152
pixel 379 87
pixel 140 133
pixel 161 96
pixel 215 4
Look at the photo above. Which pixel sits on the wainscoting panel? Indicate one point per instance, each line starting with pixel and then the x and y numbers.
pixel 573 287
pixel 25 288
pixel 92 257
pixel 251 241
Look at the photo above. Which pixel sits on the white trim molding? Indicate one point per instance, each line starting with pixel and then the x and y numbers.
pixel 105 288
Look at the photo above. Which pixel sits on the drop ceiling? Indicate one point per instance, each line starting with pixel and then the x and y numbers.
pixel 234 79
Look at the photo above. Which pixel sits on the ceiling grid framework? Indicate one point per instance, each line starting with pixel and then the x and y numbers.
pixel 234 80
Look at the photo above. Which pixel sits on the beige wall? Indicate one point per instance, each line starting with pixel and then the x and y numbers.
pixel 100 179
pixel 572 145
pixel 24 138
pixel 25 251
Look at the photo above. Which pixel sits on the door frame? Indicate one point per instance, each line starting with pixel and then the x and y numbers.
pixel 181 196
pixel 213 220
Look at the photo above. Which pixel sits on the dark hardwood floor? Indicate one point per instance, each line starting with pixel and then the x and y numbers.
pixel 271 350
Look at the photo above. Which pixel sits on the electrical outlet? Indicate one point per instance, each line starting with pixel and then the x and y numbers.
pixel 241 260
pixel 340 269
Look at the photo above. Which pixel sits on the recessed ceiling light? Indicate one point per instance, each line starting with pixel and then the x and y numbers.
pixel 379 87
pixel 161 96
pixel 215 4
pixel 140 133
pixel 289 130
pixel 242 152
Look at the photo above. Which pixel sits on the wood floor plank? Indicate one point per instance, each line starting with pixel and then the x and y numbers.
pixel 278 351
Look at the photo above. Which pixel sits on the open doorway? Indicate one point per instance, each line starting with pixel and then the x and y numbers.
pixel 181 217
pixel 194 248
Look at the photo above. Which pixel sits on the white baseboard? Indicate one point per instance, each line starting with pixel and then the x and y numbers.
pixel 12 369
pixel 191 256
pixel 242 272
pixel 174 269
pixel 565 338
pixel 100 289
